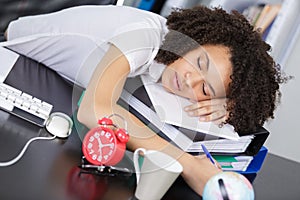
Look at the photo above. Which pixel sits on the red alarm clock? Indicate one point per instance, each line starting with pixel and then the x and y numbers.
pixel 105 144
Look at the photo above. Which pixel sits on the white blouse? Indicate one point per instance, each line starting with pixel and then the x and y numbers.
pixel 73 41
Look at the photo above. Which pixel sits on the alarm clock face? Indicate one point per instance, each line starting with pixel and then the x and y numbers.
pixel 99 145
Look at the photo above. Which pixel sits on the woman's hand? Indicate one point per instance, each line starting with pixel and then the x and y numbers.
pixel 197 171
pixel 209 110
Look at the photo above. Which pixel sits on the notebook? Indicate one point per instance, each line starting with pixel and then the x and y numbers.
pixel 242 164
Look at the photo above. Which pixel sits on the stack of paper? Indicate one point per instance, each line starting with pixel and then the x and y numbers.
pixel 233 163
pixel 153 105
pixel 223 145
pixel 180 139
pixel 169 108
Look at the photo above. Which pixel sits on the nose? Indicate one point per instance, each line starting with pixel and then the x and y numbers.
pixel 193 79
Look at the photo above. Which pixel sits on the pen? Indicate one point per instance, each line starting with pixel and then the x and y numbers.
pixel 208 155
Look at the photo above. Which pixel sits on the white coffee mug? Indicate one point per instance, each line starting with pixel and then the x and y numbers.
pixel 156 174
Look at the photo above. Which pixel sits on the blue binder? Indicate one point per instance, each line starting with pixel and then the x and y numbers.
pixel 257 162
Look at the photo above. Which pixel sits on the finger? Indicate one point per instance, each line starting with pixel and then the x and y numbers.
pixel 215 116
pixel 220 122
pixel 207 111
pixel 201 156
pixel 215 163
pixel 218 164
pixel 198 105
pixel 206 103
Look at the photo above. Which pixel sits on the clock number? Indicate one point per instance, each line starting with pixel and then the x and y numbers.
pixel 99 158
pixel 90 145
pixel 112 145
pixel 91 151
pixel 96 134
pixel 102 133
pixel 94 157
pixel 105 157
pixel 91 139
pixel 108 135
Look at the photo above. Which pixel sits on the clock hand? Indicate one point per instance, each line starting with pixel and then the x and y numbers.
pixel 100 143
pixel 100 147
pixel 110 145
pixel 100 152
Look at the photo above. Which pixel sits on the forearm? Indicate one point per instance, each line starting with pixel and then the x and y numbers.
pixel 196 171
pixel 100 100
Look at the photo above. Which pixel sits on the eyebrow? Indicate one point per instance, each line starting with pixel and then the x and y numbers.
pixel 207 65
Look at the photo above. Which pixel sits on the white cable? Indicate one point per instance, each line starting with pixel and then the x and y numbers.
pixel 13 161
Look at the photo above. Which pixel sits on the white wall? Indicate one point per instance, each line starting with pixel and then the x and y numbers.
pixel 285 128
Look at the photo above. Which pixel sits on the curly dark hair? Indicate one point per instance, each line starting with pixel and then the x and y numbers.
pixel 254 88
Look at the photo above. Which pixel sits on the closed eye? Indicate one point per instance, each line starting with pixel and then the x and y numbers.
pixel 203 89
pixel 199 63
pixel 206 60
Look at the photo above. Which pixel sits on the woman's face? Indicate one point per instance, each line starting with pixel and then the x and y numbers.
pixel 201 74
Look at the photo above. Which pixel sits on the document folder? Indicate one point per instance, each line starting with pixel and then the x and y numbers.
pixel 257 162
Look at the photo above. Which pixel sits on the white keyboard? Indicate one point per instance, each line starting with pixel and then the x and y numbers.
pixel 24 105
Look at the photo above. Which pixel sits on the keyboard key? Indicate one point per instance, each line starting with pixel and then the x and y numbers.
pixel 26 104
pixel 4 93
pixel 26 96
pixel 43 112
pixel 19 101
pixel 6 105
pixel 11 98
pixel 34 107
pixel 36 100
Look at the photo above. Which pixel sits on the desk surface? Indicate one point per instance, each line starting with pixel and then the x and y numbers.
pixel 49 169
